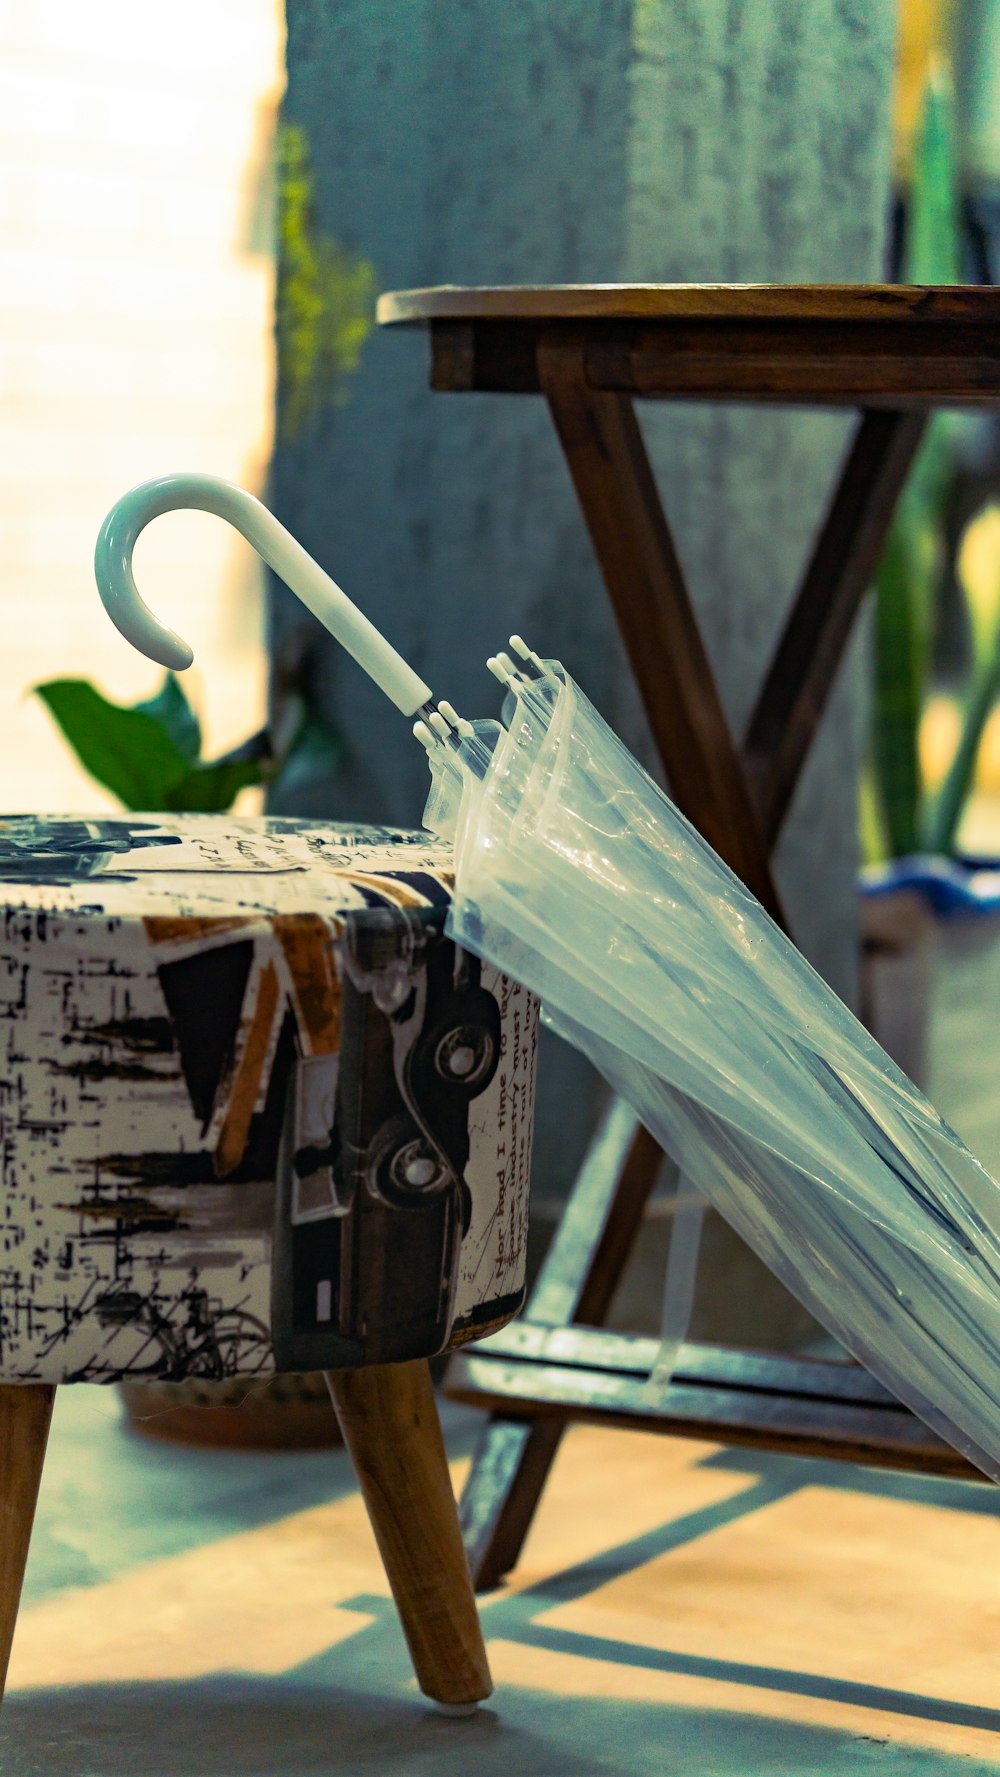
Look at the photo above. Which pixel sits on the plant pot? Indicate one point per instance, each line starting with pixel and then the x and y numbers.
pixel 930 985
pixel 964 1032
pixel 897 936
pixel 286 1412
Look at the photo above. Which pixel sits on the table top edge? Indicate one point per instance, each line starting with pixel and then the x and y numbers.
pixel 651 302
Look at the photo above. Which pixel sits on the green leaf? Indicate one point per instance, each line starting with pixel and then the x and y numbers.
pixel 147 755
pixel 978 572
pixel 871 823
pixel 932 252
pixel 910 573
pixel 171 709
pixel 212 788
pixel 925 496
pixel 325 298
pixel 127 750
pixel 899 686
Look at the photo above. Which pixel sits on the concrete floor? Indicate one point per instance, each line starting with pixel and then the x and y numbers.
pixel 678 1608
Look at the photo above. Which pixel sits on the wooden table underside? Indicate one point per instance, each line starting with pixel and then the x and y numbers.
pixel 897 353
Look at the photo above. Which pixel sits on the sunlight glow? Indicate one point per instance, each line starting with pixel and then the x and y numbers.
pixel 136 303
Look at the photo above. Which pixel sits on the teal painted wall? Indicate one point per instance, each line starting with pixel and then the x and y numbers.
pixel 590 140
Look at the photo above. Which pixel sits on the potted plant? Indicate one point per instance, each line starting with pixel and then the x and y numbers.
pixel 913 800
pixel 919 881
pixel 148 754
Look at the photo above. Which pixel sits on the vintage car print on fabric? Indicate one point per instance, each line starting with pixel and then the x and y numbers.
pixel 257 1110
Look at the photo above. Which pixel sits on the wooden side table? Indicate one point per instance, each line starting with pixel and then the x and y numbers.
pixel 896 353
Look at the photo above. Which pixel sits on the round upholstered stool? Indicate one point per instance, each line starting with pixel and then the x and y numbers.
pixel 258 1113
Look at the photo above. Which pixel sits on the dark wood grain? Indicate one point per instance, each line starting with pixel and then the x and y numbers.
pixel 820 345
pixel 767 1401
pixel 802 673
pixel 721 1366
pixel 885 303
pixel 510 1467
pixel 787 362
pixel 25 1413
pixel 846 363
pixel 614 482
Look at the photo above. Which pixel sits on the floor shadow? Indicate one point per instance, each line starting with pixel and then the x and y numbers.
pixel 259 1727
pixel 514 1615
pixel 979 1496
pixel 353 1709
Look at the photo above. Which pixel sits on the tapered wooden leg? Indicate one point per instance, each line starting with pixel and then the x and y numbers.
pixel 24 1429
pixel 388 1416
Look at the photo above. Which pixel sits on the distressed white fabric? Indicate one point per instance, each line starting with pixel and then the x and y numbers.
pixel 256 1110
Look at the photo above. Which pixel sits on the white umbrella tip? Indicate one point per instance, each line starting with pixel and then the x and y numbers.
pixel 505 674
pixel 521 648
pixel 440 725
pixel 464 729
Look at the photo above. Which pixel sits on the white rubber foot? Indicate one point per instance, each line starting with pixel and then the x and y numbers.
pixel 459 1710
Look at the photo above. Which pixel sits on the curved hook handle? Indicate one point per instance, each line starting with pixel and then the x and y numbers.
pixel 322 596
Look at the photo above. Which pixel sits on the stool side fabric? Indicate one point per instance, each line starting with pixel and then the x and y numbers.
pixel 257 1111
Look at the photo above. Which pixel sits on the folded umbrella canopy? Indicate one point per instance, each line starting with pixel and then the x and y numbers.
pixel 577 875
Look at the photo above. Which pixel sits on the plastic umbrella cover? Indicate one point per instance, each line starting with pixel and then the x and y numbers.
pixel 579 877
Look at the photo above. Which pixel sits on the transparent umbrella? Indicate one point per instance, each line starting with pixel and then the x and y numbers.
pixel 576 875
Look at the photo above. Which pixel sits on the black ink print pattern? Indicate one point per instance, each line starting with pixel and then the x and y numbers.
pixel 257 1111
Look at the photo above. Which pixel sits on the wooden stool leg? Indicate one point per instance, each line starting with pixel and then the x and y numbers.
pixel 24 1428
pixel 389 1419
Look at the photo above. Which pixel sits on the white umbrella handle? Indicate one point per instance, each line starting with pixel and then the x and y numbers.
pixel 322 596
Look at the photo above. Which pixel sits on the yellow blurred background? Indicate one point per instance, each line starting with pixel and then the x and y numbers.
pixel 136 299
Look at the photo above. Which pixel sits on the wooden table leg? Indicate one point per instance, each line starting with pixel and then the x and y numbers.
pixel 576 1283
pixel 389 1419
pixel 845 556
pixel 613 477
pixel 510 1467
pixel 25 1413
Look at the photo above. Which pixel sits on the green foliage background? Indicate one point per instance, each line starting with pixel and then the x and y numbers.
pixel 148 754
pixel 325 298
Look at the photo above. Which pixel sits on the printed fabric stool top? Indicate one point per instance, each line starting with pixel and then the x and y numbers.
pixel 257 1111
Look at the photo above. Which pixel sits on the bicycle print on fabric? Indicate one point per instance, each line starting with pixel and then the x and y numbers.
pixel 258 1111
